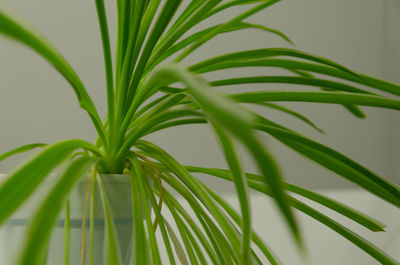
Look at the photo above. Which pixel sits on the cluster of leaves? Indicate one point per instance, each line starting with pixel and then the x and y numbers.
pixel 143 97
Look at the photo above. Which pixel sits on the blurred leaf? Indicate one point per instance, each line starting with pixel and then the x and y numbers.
pixel 240 182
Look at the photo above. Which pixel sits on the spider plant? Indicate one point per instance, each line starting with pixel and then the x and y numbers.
pixel 149 90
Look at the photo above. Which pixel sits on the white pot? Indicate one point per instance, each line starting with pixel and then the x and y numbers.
pixel 118 192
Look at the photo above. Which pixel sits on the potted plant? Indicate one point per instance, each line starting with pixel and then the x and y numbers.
pixel 148 91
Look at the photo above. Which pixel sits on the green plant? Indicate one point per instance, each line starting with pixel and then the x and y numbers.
pixel 143 98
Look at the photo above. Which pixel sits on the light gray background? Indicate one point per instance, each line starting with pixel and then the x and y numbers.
pixel 37 105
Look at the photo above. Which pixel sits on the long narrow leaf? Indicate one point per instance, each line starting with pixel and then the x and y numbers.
pixel 140 245
pixel 241 189
pixel 292 113
pixel 266 53
pixel 231 3
pixel 20 149
pixel 289 80
pixel 355 110
pixel 101 14
pixel 319 97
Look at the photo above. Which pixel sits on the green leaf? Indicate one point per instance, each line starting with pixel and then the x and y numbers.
pixel 131 18
pixel 356 111
pixel 20 149
pixel 170 124
pixel 101 14
pixel 290 80
pixel 240 182
pixel 111 248
pixel 231 3
pixel 140 244
pixel 292 113
pixel 14 29
pixel 266 53
pixel 39 230
pixel 124 12
pixel 318 97
pixel 17 188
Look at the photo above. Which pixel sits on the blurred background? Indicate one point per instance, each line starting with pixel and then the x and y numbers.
pixel 37 105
